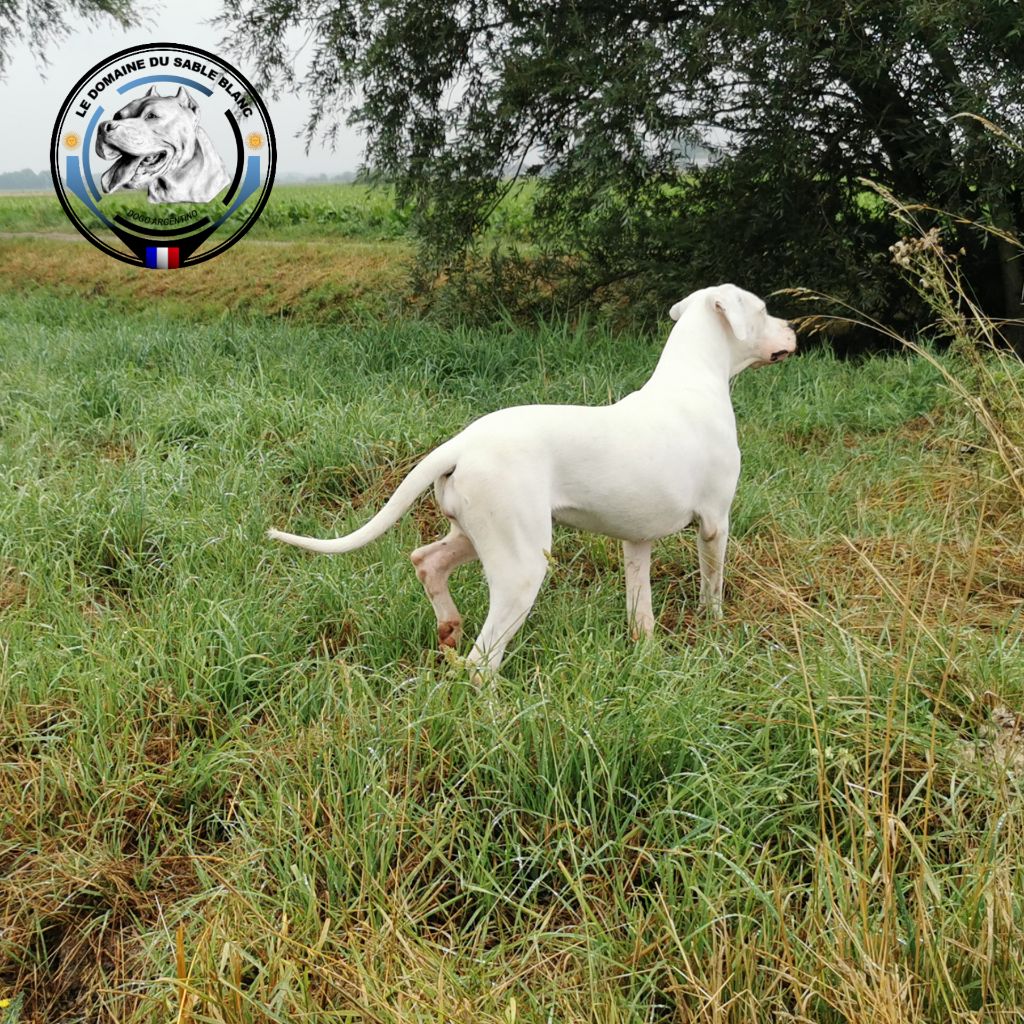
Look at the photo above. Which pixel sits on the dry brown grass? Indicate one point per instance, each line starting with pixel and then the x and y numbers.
pixel 320 280
pixel 862 583
pixel 13 587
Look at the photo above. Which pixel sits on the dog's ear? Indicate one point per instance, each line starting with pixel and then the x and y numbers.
pixel 152 92
pixel 185 99
pixel 680 307
pixel 728 302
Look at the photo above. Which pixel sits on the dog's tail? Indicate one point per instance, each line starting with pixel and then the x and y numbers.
pixel 439 462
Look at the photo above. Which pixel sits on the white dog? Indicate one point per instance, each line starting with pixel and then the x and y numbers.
pixel 158 145
pixel 637 470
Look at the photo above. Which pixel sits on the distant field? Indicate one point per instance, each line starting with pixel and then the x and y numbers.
pixel 320 252
pixel 293 211
pixel 238 785
pixel 354 211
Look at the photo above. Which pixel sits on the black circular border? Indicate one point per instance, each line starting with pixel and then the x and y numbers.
pixel 145 48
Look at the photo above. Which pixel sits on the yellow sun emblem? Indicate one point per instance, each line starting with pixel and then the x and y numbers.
pixel 255 140
pixel 71 140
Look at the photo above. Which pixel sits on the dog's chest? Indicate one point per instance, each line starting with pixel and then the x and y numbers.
pixel 643 499
pixel 648 481
pixel 626 523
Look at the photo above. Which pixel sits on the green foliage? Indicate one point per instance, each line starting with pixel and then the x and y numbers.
pixel 43 23
pixel 353 211
pixel 293 211
pixel 31 213
pixel 598 100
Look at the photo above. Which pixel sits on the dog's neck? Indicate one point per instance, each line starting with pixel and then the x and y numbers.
pixel 192 149
pixel 696 353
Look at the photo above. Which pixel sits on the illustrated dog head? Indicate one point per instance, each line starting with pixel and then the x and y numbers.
pixel 158 144
pixel 754 338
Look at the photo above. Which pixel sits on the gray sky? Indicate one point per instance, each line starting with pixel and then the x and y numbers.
pixel 31 95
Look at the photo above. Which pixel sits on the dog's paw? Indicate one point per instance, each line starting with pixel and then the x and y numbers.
pixel 462 665
pixel 640 631
pixel 449 633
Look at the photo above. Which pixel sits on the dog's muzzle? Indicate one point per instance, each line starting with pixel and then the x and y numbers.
pixel 789 347
pixel 131 169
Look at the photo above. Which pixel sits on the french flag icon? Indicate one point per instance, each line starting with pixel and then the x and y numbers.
pixel 161 259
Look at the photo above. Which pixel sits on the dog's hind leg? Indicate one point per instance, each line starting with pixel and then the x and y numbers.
pixel 508 522
pixel 514 554
pixel 434 564
pixel 514 577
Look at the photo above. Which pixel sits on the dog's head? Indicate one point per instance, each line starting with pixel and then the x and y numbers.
pixel 754 337
pixel 147 137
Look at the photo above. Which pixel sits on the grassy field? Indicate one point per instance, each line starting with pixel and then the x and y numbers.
pixel 323 252
pixel 238 785
pixel 292 212
pixel 349 210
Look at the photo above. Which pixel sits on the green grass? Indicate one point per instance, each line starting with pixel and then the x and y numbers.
pixel 238 786
pixel 353 211
pixel 293 212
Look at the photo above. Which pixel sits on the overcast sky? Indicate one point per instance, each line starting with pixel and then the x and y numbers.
pixel 31 95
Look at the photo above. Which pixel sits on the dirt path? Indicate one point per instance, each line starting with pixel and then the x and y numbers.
pixel 61 236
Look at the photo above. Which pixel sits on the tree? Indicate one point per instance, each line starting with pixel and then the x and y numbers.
pixel 43 22
pixel 800 97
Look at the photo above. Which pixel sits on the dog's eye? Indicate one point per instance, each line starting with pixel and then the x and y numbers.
pixel 151 116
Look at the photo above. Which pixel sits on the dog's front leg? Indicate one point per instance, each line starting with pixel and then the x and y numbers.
pixel 639 613
pixel 712 538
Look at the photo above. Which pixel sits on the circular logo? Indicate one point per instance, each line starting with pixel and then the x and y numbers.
pixel 163 155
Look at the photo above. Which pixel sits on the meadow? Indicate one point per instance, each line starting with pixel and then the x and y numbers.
pixel 238 784
pixel 292 212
